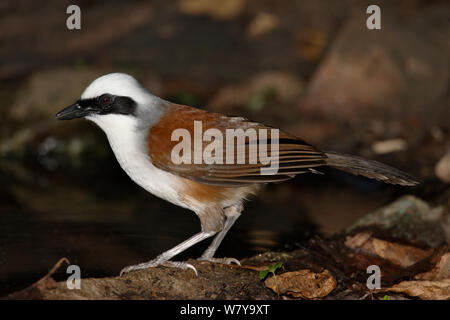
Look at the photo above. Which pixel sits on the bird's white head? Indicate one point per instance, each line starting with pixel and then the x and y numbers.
pixel 114 100
pixel 117 84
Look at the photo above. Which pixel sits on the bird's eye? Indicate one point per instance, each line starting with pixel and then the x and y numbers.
pixel 105 100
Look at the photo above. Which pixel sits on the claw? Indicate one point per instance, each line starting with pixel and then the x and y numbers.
pixel 180 265
pixel 221 260
pixel 153 263
pixel 230 260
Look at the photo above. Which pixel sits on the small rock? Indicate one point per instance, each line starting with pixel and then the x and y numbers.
pixel 219 9
pixel 408 218
pixel 284 86
pixel 45 93
pixel 391 73
pixel 389 146
pixel 442 168
pixel 263 23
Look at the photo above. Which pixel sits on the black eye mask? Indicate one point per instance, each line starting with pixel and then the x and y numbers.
pixel 123 105
pixel 104 104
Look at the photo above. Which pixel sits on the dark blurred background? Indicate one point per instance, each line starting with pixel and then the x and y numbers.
pixel 311 68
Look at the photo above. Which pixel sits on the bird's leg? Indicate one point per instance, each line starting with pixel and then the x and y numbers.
pixel 232 213
pixel 163 258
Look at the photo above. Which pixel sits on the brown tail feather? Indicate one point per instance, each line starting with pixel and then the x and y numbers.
pixel 369 168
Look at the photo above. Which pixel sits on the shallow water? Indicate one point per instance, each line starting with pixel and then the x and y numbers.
pixel 100 220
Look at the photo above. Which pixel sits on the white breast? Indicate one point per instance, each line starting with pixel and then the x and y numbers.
pixel 128 143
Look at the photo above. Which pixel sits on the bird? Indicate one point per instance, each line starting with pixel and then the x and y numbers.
pixel 144 133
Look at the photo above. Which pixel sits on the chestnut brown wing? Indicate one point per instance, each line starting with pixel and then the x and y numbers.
pixel 294 156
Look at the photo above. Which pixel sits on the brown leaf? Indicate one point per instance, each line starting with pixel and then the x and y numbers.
pixel 440 271
pixel 255 268
pixel 399 254
pixel 46 282
pixel 402 255
pixel 358 240
pixel 427 290
pixel 302 284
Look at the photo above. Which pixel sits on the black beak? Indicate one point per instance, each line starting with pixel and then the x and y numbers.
pixel 71 112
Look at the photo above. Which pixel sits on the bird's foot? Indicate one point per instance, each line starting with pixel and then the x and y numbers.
pixel 220 260
pixel 156 263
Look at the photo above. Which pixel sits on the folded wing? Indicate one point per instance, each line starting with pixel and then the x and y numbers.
pixel 289 154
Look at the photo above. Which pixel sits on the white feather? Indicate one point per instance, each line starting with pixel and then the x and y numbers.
pixel 127 134
pixel 119 84
pixel 128 143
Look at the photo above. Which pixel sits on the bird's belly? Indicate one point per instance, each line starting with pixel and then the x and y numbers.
pixel 178 190
pixel 156 181
pixel 133 159
pixel 202 195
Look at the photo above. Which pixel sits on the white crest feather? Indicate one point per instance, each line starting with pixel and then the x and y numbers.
pixel 119 84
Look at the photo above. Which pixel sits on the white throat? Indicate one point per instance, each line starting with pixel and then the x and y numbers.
pixel 129 144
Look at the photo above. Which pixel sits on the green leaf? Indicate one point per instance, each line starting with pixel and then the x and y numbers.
pixel 274 267
pixel 263 274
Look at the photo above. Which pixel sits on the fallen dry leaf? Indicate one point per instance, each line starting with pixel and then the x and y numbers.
pixel 399 254
pixel 402 255
pixel 440 271
pixel 302 284
pixel 255 268
pixel 45 283
pixel 424 289
pixel 358 240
